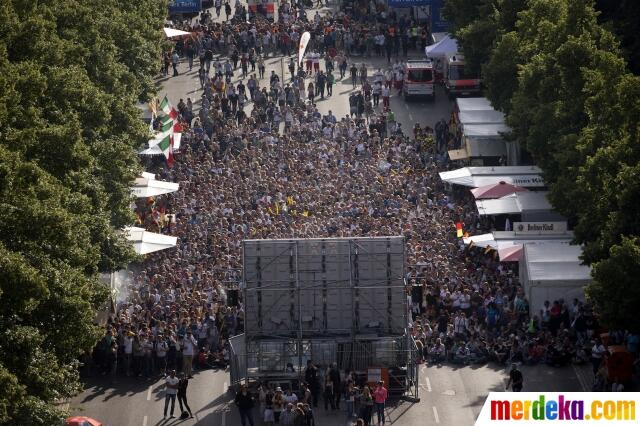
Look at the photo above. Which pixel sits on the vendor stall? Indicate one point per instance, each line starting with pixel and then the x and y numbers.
pixel 553 272
pixel 474 177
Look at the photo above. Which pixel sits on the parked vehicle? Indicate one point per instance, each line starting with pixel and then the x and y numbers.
pixel 458 80
pixel 419 79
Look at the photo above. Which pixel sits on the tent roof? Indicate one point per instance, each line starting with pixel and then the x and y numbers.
pixel 445 46
pixel 436 37
pixel 503 239
pixel 525 176
pixel 172 32
pixel 146 186
pixel 483 116
pixel 555 262
pixel 485 130
pixel 497 190
pixel 473 104
pixel 516 203
pixel 147 242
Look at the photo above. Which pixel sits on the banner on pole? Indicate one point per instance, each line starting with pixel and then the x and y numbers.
pixel 304 40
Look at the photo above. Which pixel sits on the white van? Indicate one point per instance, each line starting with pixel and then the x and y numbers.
pixel 419 79
pixel 458 80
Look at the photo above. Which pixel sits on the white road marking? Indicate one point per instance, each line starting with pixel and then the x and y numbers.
pixel 410 117
pixel 435 414
pixel 224 418
pixel 581 380
pixel 145 420
pixel 428 384
pixel 149 393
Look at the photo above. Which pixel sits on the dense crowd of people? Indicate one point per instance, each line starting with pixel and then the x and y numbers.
pixel 258 160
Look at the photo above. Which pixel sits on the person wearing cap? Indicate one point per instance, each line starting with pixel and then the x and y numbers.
pixel 244 401
pixel 278 404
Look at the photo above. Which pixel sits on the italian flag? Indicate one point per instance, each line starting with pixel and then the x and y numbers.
pixel 169 123
pixel 168 109
pixel 166 146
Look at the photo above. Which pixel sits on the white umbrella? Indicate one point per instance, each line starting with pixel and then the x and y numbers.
pixel 147 242
pixel 172 32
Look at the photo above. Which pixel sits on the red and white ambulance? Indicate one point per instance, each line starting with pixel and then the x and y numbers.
pixel 458 81
pixel 419 79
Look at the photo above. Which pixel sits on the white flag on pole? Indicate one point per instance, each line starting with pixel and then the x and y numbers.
pixel 304 40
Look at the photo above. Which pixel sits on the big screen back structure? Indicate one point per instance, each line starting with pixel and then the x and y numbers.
pixel 324 287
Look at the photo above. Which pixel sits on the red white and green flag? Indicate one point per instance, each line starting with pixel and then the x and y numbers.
pixel 166 146
pixel 169 123
pixel 168 109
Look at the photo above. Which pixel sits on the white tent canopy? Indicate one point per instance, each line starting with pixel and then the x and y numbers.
pixel 474 177
pixel 147 242
pixel 493 130
pixel 172 32
pixel 552 272
pixel 501 239
pixel 483 116
pixel 446 46
pixel 515 203
pixel 148 186
pixel 473 104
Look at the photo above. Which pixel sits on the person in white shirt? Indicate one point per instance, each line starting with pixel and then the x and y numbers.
pixel 161 353
pixel 128 351
pixel 189 346
pixel 171 389
pixel 597 353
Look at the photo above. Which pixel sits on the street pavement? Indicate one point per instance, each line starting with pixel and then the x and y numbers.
pixel 449 395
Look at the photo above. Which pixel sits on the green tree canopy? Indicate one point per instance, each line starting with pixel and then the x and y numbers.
pixel 562 80
pixel 71 73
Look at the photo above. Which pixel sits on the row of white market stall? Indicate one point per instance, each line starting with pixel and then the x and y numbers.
pixel 482 132
pixel 514 199
pixel 145 242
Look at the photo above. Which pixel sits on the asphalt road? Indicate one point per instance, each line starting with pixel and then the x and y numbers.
pixel 449 395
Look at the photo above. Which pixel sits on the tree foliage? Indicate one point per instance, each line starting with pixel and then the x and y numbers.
pixel 477 25
pixel 617 303
pixel 562 80
pixel 71 73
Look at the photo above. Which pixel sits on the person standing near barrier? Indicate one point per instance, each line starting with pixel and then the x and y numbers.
pixel 189 346
pixel 380 397
pixel 334 376
pixel 311 377
pixel 244 401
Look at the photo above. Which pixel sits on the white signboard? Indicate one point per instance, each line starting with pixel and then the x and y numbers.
pixel 374 375
pixel 527 180
pixel 540 228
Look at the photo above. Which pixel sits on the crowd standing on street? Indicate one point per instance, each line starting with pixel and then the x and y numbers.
pixel 258 160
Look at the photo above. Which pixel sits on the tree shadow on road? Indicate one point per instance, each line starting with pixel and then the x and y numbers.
pixel 125 386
